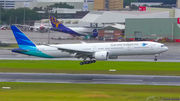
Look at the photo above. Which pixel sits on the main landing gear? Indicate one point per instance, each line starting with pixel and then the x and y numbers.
pixel 87 62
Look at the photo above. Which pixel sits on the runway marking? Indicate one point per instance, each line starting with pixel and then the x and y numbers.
pixel 119 79
pixel 6 87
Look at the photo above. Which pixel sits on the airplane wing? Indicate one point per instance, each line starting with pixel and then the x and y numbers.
pixel 75 51
pixel 83 42
pixel 79 53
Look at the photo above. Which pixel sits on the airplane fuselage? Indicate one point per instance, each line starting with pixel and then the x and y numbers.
pixel 79 31
pixel 114 49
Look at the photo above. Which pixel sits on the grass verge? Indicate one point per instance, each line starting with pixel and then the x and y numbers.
pixel 85 92
pixel 8 46
pixel 101 67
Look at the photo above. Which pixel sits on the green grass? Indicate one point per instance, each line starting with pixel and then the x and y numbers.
pixel 8 46
pixel 85 92
pixel 102 67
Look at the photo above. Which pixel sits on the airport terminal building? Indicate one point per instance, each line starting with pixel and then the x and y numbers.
pixel 78 4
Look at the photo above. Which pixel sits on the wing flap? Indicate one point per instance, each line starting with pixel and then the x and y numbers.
pixel 75 51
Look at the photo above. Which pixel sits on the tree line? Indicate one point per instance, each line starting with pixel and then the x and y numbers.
pixel 16 16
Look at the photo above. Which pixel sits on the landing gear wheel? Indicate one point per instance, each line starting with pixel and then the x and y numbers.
pixel 155 59
pixel 87 62
pixel 93 61
pixel 84 62
pixel 81 63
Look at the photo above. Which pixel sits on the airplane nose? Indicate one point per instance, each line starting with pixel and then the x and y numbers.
pixel 166 48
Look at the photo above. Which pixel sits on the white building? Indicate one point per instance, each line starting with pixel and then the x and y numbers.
pixel 78 4
pixel 11 3
pixel 147 3
pixel 65 10
pixel 60 0
pixel 120 16
pixel 178 3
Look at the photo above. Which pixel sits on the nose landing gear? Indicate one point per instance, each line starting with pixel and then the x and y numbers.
pixel 155 59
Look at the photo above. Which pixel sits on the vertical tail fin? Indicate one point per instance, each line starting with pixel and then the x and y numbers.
pixel 55 23
pixel 21 39
pixel 95 33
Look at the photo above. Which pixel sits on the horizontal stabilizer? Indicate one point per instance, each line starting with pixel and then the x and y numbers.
pixel 56 29
pixel 19 50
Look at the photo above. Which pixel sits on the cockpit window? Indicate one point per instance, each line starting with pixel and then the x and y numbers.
pixel 162 45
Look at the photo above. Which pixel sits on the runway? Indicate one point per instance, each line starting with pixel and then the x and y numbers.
pixel 90 78
pixel 74 59
pixel 143 58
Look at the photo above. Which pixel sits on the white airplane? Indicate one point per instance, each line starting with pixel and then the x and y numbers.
pixel 91 51
pixel 75 31
pixel 42 28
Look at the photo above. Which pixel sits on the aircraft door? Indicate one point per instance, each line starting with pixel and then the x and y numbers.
pixel 152 47
pixel 94 48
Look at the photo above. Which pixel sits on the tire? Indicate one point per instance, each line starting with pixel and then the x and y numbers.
pixel 87 62
pixel 81 63
pixel 93 61
pixel 155 59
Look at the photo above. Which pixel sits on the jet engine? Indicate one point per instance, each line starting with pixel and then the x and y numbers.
pixel 103 55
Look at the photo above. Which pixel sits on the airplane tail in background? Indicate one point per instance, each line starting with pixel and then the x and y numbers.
pixel 21 39
pixel 55 23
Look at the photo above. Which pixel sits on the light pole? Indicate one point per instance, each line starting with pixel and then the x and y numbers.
pixel 0 13
pixel 24 15
pixel 26 4
pixel 10 21
pixel 16 21
pixel 29 21
pixel 49 28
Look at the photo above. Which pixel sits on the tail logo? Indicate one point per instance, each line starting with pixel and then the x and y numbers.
pixel 54 21
pixel 95 30
pixel 144 44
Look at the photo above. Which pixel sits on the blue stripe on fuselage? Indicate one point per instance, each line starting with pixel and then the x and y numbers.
pixel 33 51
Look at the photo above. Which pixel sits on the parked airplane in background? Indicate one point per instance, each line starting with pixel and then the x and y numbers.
pixel 42 28
pixel 91 51
pixel 2 28
pixel 75 31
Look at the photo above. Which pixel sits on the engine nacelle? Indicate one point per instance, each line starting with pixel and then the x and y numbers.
pixel 103 55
